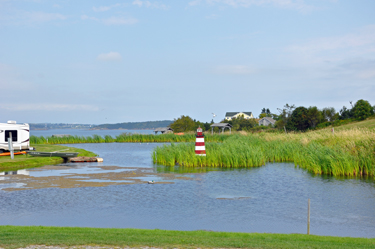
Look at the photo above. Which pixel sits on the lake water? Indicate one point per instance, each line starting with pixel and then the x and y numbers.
pixel 86 133
pixel 115 193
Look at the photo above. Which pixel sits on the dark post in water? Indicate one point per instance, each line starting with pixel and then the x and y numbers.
pixel 308 216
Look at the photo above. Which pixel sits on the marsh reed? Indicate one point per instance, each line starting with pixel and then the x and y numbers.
pixel 125 138
pixel 348 152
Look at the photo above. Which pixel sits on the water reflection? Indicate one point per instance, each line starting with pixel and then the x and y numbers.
pixel 17 172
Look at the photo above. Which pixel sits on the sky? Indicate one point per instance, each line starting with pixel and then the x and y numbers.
pixel 112 61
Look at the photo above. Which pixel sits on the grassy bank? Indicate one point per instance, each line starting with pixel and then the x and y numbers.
pixel 369 124
pixel 346 152
pixel 19 236
pixel 125 138
pixel 25 161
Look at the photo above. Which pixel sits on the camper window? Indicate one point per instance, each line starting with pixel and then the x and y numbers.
pixel 14 135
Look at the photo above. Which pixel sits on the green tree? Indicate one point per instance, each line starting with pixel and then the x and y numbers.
pixel 329 114
pixel 314 116
pixel 298 120
pixel 207 126
pixel 346 113
pixel 265 113
pixel 242 124
pixel 362 110
pixel 183 124
pixel 285 115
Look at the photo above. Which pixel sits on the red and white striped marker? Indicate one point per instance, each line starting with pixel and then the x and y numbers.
pixel 200 149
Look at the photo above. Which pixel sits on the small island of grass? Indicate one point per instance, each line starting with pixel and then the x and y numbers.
pixel 25 161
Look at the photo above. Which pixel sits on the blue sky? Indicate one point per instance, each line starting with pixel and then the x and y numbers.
pixel 110 61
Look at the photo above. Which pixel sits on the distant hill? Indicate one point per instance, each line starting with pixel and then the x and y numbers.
pixel 148 125
pixel 48 126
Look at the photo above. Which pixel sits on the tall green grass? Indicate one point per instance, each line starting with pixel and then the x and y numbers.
pixel 125 138
pixel 321 152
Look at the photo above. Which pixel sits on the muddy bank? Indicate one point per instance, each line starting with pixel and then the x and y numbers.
pixel 60 177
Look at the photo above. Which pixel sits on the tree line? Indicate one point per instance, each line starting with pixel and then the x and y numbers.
pixel 302 118
pixel 290 118
pixel 135 125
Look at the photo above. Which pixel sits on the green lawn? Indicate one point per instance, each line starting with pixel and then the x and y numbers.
pixel 25 161
pixel 21 236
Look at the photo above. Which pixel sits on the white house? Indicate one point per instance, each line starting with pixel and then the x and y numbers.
pixel 231 115
pixel 267 121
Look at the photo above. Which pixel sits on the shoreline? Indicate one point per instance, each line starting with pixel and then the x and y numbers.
pixel 25 161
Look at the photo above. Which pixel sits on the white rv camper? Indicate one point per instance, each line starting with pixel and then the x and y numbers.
pixel 20 136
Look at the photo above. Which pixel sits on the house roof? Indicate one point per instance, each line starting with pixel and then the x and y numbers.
pixel 269 119
pixel 163 129
pixel 231 114
pixel 221 125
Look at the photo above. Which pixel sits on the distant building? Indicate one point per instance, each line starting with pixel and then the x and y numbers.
pixel 221 126
pixel 231 115
pixel 163 130
pixel 267 121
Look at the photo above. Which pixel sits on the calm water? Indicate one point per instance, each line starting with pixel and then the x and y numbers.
pixel 86 133
pixel 272 199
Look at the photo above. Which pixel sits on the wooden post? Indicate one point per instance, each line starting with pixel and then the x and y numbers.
pixel 10 145
pixel 308 216
pixel 285 129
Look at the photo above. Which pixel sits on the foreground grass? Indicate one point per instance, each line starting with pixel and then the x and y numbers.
pixel 25 161
pixel 346 152
pixel 21 236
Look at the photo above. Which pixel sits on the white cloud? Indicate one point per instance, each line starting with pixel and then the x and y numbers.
pixel 111 56
pixel 105 8
pixel 363 37
pixel 30 18
pixel 101 8
pixel 328 50
pixel 291 4
pixel 348 57
pixel 10 77
pixel 212 16
pixel 367 74
pixel 47 107
pixel 112 20
pixel 119 21
pixel 234 69
pixel 44 17
pixel 195 2
pixel 148 4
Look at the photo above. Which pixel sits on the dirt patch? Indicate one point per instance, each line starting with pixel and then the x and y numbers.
pixel 128 175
